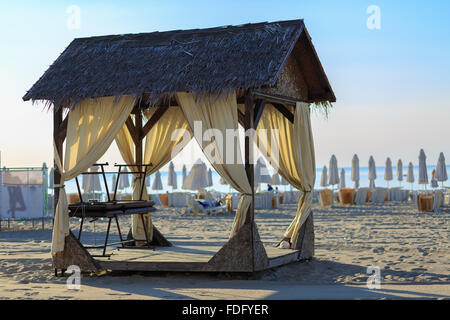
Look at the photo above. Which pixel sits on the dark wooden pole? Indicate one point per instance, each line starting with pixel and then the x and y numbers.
pixel 57 122
pixel 248 125
pixel 138 145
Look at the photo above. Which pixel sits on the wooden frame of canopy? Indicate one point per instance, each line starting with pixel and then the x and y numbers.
pixel 244 252
pixel 269 62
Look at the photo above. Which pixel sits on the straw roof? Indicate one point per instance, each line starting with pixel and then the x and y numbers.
pixel 198 60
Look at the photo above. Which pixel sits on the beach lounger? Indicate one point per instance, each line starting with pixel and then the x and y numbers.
pixel 438 200
pixel 379 195
pixel 347 196
pixel 361 196
pixel 196 208
pixel 326 197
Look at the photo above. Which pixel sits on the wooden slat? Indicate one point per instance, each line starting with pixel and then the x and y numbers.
pixel 153 120
pixel 284 111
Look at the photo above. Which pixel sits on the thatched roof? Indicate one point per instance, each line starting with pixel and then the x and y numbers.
pixel 198 60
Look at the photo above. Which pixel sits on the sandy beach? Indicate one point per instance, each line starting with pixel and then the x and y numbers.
pixel 411 249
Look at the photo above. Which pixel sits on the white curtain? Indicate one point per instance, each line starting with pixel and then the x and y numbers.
pixel 92 126
pixel 296 159
pixel 220 113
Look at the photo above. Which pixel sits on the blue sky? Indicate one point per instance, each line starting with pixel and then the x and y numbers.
pixel 392 84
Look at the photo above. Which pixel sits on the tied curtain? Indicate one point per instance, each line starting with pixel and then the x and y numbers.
pixel 296 158
pixel 91 128
pixel 160 143
pixel 220 113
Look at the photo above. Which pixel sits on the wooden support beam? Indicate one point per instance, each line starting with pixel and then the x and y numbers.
pixel 57 137
pixel 153 120
pixel 248 125
pixel 284 111
pixel 63 128
pixel 132 129
pixel 259 108
pixel 241 118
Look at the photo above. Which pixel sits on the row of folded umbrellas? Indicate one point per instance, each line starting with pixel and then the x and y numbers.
pixel 200 177
pixel 439 174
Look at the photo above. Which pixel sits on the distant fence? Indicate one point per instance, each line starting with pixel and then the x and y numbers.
pixel 24 195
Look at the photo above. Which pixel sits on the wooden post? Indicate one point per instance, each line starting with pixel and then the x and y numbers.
pixel 58 140
pixel 248 125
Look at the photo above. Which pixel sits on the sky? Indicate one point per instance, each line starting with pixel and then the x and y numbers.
pixel 392 84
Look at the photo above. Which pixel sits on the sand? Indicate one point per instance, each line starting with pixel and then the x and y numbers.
pixel 412 250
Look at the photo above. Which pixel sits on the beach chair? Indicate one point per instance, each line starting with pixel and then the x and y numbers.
pixel 425 202
pixel 378 195
pixel 196 208
pixel 326 197
pixel 438 201
pixel 361 196
pixel 347 196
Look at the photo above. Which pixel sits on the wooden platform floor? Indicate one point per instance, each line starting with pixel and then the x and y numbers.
pixel 180 258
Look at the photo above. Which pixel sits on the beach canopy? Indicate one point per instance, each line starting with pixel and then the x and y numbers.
pixel 172 176
pixel 423 174
pixel 276 179
pixel 342 179
pixel 441 169
pixel 157 182
pixel 355 171
pixel 410 173
pixel 333 175
pixel 324 177
pixel 388 175
pixel 197 177
pixel 372 173
pixel 399 170
pixel 157 77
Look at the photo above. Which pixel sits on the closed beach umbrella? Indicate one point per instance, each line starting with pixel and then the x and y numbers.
pixel 433 181
pixel 172 176
pixel 283 181
pixel 276 179
pixel 342 179
pixel 423 174
pixel 333 176
pixel 372 173
pixel 147 181
pixel 355 171
pixel 261 172
pixel 400 171
pixel 197 177
pixel 51 183
pixel 114 180
pixel 210 180
pixel 388 176
pixel 441 169
pixel 124 181
pixel 91 182
pixel 410 174
pixel 324 177
pixel 157 182
pixel 184 172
